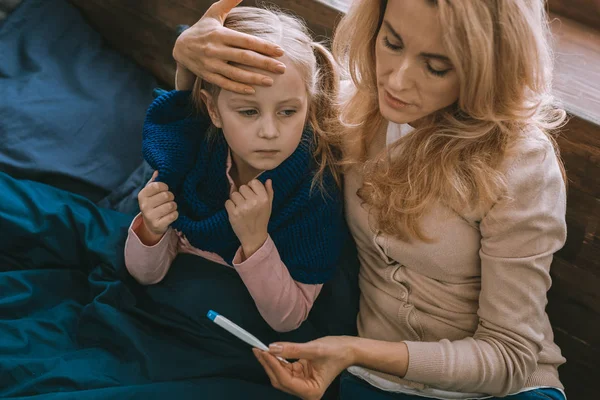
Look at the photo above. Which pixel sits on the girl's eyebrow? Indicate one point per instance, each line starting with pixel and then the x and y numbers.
pixel 245 100
pixel 290 100
pixel 242 99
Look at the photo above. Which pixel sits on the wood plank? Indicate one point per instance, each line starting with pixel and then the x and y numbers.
pixel 146 30
pixel 583 238
pixel 577 72
pixel 584 11
pixel 574 303
pixel 579 143
pixel 130 29
pixel 580 373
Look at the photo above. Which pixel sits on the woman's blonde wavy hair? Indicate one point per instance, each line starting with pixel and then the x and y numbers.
pixel 316 66
pixel 500 50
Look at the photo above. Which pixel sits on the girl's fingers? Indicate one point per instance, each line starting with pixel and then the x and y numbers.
pixel 159 199
pixel 269 190
pixel 168 219
pixel 237 199
pixel 229 206
pixel 247 192
pixel 153 188
pixel 164 210
pixel 257 187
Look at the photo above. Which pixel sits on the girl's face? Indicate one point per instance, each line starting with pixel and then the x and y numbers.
pixel 414 76
pixel 263 129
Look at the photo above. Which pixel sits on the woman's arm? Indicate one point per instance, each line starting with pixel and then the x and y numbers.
pixel 520 234
pixel 519 238
pixel 323 359
pixel 207 50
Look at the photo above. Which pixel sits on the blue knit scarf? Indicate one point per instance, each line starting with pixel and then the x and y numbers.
pixel 306 226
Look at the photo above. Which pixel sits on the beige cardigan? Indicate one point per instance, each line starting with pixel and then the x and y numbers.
pixel 470 305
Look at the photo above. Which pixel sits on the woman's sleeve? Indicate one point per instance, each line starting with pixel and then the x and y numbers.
pixel 519 237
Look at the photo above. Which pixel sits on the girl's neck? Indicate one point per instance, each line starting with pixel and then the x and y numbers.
pixel 241 172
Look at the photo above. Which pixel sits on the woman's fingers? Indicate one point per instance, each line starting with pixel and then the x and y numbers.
pixel 249 42
pixel 307 351
pixel 298 370
pixel 267 367
pixel 242 75
pixel 285 378
pixel 220 9
pixel 227 84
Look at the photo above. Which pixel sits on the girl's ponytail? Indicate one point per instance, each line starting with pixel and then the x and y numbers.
pixel 324 116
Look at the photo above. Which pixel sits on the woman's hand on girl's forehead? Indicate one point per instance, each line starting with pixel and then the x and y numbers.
pixel 207 48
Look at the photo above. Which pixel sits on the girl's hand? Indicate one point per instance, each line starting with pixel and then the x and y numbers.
pixel 158 210
pixel 320 362
pixel 206 49
pixel 249 210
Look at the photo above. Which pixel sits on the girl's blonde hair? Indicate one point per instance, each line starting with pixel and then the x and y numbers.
pixel 316 66
pixel 500 50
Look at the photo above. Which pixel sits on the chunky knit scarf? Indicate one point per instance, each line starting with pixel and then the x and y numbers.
pixel 307 226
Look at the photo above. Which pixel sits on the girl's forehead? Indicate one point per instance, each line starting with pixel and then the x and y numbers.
pixel 289 85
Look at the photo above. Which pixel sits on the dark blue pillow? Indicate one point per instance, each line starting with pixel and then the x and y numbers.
pixel 71 108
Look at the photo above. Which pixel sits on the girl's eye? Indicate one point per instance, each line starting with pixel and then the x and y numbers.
pixel 288 113
pixel 390 45
pixel 437 72
pixel 248 113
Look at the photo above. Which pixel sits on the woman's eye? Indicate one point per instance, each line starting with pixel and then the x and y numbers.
pixel 390 45
pixel 437 72
pixel 248 113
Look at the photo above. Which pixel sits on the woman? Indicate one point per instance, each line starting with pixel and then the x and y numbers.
pixel 454 193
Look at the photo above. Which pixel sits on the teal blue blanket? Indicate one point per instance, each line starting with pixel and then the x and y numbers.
pixel 73 324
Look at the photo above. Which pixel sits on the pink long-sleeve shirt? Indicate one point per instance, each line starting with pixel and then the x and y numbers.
pixel 283 302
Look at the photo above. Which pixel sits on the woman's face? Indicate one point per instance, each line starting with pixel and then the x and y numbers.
pixel 414 76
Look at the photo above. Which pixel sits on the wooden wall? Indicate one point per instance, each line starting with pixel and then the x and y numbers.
pixel 584 11
pixel 146 31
